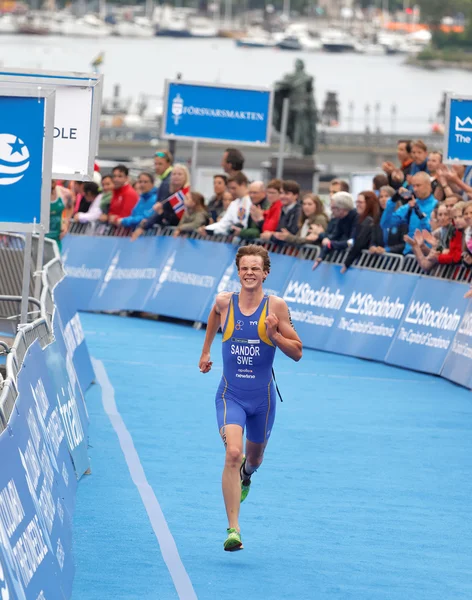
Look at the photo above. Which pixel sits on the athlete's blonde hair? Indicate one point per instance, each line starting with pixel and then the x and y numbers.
pixel 254 250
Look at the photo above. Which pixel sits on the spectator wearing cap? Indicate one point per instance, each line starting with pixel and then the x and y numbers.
pixel 89 210
pixel 342 209
pixel 417 212
pixel 147 199
pixel 232 161
pixel 163 161
pixel 124 197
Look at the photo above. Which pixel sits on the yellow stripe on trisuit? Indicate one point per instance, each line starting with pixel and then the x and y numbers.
pixel 228 332
pixel 261 328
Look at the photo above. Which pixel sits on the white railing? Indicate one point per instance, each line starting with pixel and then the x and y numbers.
pixel 40 328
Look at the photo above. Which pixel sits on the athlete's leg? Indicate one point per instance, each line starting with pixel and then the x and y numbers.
pixel 233 439
pixel 254 457
pixel 258 429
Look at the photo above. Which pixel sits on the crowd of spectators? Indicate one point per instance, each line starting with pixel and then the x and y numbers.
pixel 419 206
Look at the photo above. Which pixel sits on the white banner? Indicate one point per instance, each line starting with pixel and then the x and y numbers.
pixel 72 130
pixel 76 119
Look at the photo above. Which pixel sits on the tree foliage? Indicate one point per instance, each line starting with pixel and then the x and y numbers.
pixel 433 11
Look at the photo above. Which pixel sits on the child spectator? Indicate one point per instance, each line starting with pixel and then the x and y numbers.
pixel 195 215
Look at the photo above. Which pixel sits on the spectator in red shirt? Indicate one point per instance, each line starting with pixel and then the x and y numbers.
pixel 451 254
pixel 268 220
pixel 124 196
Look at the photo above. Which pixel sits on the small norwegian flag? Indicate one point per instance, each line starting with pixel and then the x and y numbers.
pixel 177 201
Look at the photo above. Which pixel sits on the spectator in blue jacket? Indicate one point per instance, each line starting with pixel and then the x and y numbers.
pixel 417 212
pixel 147 199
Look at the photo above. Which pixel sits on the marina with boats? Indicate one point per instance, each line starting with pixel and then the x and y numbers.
pixel 255 29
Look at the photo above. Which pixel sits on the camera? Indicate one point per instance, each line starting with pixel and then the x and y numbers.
pixel 406 196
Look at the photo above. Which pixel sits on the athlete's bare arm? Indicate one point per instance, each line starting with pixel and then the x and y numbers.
pixel 215 320
pixel 281 330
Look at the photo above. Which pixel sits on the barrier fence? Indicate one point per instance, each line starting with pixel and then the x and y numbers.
pixel 43 428
pixel 380 309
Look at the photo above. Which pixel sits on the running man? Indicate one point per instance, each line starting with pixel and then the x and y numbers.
pixel 253 326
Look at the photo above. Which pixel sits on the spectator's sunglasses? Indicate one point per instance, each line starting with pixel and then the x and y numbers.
pixel 161 154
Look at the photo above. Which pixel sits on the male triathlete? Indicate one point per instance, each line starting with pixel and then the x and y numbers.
pixel 253 326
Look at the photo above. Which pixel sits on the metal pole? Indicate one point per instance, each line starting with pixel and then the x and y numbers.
pixel 283 137
pixel 26 278
pixel 39 265
pixel 193 164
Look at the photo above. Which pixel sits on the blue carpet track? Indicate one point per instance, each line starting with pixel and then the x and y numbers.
pixel 364 494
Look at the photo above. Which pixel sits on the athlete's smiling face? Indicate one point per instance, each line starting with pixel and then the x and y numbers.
pixel 251 273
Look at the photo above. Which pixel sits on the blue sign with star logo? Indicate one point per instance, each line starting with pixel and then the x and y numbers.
pixel 22 123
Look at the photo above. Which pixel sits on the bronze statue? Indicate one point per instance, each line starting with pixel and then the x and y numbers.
pixel 302 115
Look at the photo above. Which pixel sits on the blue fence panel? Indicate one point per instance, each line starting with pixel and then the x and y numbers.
pixel 370 316
pixel 458 365
pixel 131 273
pixel 189 278
pixel 70 399
pixel 315 299
pixel 37 488
pixel 429 325
pixel 86 260
pixel 72 332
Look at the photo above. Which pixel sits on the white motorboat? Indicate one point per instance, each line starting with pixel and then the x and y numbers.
pixel 335 40
pixel 139 27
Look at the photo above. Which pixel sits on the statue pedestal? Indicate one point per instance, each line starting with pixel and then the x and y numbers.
pixel 301 169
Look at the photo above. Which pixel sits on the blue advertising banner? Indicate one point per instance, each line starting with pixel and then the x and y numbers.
pixel 203 111
pixel 458 365
pixel 73 334
pixel 69 398
pixel 458 134
pixel 132 273
pixel 371 315
pixel 86 260
pixel 37 490
pixel 189 277
pixel 315 299
pixel 22 123
pixel 429 326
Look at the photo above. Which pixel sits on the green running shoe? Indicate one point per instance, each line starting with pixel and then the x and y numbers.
pixel 233 541
pixel 245 483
